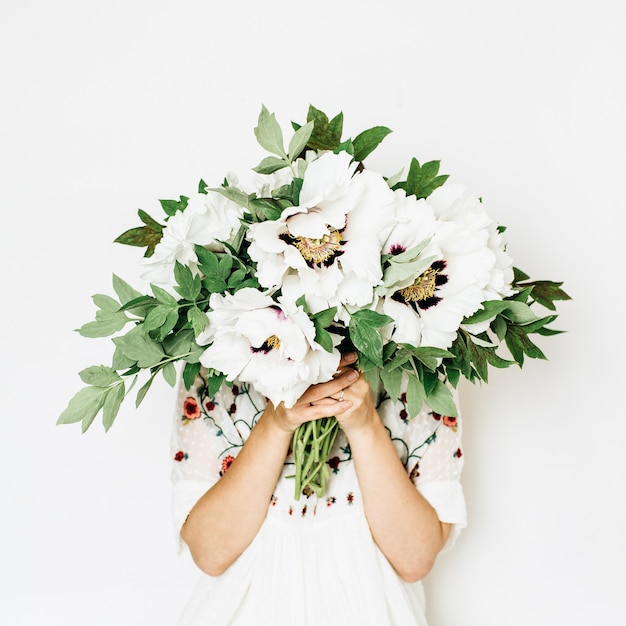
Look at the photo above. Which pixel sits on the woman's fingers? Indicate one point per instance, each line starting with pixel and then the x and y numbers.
pixel 347 359
pixel 331 388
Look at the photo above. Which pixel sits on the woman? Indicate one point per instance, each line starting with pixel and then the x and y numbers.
pixel 355 555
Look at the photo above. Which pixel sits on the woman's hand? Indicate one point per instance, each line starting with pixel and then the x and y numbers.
pixel 322 400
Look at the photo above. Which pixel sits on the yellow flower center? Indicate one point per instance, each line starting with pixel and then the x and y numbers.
pixel 272 342
pixel 423 288
pixel 318 251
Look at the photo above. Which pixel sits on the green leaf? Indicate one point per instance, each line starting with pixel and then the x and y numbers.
pixel 120 361
pixel 345 146
pixel 299 140
pixel 207 259
pixel 323 338
pixel 171 206
pixel 440 400
pixel 157 317
pixel 326 134
pixel 267 207
pixel 324 318
pixel 234 195
pixel 422 180
pixel 392 382
pixel 290 192
pixel 398 270
pixel 202 187
pixel 236 278
pixel 139 347
pixel 367 141
pixel 147 236
pixel 190 371
pixel 170 322
pixel 371 318
pixel 188 286
pixel 140 306
pixel 214 284
pixel 150 222
pixel 269 134
pixel 415 395
pixel 545 292
pixel 143 390
pixel 270 164
pixel 99 376
pixel 106 325
pixel 124 291
pixel 490 309
pixel 164 297
pixel 519 313
pixel 84 406
pixel 519 344
pixel 106 303
pixel 367 340
pixel 214 382
pixel 112 405
pixel 197 319
pixel 169 373
pixel 180 343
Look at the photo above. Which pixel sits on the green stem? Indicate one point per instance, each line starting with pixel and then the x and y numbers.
pixel 311 446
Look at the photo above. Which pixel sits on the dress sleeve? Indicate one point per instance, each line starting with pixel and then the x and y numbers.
pixel 430 447
pixel 196 446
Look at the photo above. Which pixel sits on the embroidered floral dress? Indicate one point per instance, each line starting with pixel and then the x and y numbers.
pixel 314 561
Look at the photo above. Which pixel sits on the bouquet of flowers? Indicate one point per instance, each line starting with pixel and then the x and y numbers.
pixel 269 276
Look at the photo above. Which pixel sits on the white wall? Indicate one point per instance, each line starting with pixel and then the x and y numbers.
pixel 108 106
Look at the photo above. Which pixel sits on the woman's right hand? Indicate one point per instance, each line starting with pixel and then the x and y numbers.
pixel 321 400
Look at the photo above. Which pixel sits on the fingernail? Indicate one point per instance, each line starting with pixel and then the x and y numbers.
pixel 352 375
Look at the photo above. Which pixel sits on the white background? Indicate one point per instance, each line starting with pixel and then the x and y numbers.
pixel 106 107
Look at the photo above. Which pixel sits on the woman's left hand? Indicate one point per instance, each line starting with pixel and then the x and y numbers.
pixel 359 393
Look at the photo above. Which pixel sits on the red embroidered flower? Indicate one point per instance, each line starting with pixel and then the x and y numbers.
pixel 350 498
pixel 191 408
pixel 235 390
pixel 334 464
pixel 403 397
pixel 273 500
pixel 404 415
pixel 226 463
pixel 458 454
pixel 303 512
pixel 210 405
pixel 330 500
pixel 232 409
pixel 450 422
pixel 180 455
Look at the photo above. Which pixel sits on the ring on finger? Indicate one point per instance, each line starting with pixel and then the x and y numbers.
pixel 340 398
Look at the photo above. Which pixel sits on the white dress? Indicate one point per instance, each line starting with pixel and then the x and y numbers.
pixel 314 561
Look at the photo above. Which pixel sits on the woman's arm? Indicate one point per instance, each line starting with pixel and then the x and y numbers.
pixel 216 539
pixel 404 525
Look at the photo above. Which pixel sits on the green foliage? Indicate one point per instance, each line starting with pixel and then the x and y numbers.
pixel 147 236
pixel 367 141
pixel 326 133
pixel 154 331
pixel 422 180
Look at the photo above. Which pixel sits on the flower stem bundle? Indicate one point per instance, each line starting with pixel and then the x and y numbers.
pixel 311 445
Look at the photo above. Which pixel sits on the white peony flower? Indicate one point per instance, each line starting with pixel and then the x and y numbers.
pixel 269 344
pixel 430 309
pixel 327 248
pixel 207 220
